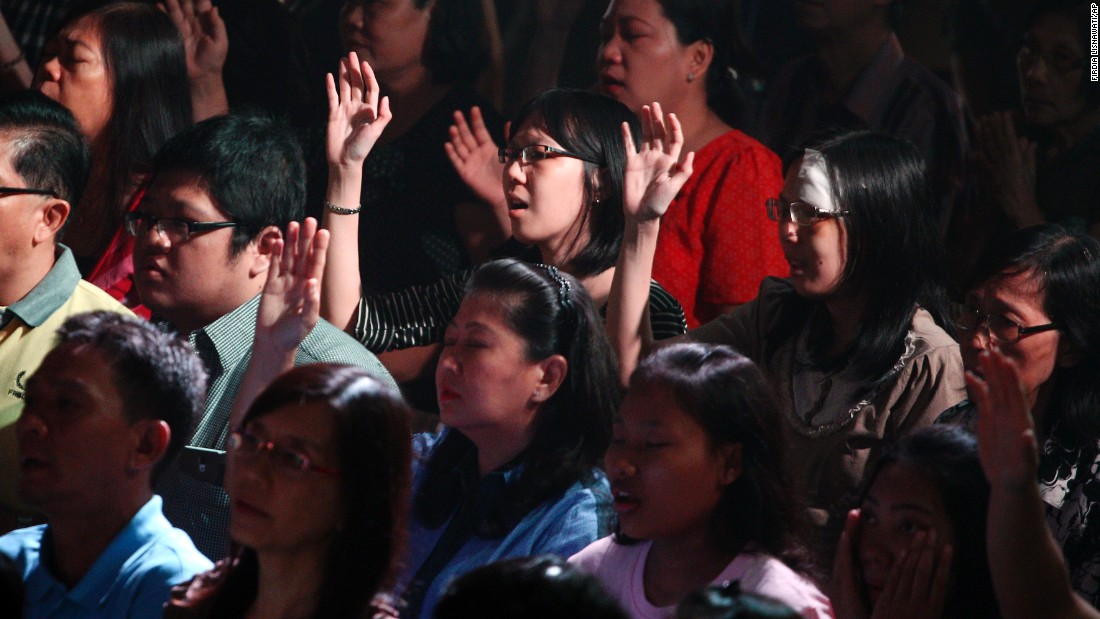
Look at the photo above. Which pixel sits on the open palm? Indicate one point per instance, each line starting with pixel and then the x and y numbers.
pixel 655 173
pixel 356 118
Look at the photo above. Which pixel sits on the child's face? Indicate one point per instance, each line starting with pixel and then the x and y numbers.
pixel 666 477
pixel 902 502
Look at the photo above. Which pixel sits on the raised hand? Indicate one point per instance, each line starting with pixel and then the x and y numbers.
pixel 655 173
pixel 1007 162
pixel 204 38
pixel 474 156
pixel 845 590
pixel 291 300
pixel 356 118
pixel 1006 434
pixel 917 585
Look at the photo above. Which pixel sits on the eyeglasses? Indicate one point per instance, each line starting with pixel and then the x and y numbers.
pixel 998 328
pixel 246 443
pixel 19 191
pixel 174 229
pixel 537 152
pixel 1058 62
pixel 799 212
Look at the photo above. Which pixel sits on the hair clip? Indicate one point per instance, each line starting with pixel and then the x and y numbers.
pixel 563 285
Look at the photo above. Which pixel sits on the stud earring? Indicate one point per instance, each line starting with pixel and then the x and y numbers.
pixel 691 77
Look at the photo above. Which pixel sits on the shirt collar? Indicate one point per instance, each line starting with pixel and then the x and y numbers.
pixel 232 334
pixel 49 294
pixel 107 572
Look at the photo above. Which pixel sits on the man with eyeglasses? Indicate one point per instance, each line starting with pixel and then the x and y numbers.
pixel 108 408
pixel 221 195
pixel 43 168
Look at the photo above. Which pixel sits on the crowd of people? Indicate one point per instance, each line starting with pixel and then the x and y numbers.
pixel 723 332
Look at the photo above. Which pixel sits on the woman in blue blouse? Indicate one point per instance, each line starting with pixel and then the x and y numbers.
pixel 523 386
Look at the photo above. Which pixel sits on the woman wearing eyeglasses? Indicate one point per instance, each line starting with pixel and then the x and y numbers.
pixel 1044 170
pixel 318 474
pixel 563 176
pixel 849 341
pixel 1035 298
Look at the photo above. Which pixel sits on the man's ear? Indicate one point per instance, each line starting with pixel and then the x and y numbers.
pixel 54 214
pixel 264 244
pixel 554 368
pixel 153 436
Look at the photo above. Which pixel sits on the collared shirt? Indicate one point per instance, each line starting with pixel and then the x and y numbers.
pixel 131 577
pixel 893 94
pixel 28 331
pixel 562 526
pixel 192 501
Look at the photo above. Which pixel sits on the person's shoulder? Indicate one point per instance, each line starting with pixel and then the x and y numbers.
pixel 591 557
pixel 327 344
pixel 764 574
pixel 90 297
pixel 929 336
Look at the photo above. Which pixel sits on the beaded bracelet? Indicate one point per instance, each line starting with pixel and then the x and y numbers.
pixel 339 210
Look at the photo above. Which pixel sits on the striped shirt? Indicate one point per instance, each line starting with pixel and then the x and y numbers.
pixel 419 315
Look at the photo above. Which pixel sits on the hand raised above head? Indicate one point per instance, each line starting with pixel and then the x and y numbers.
pixel 356 115
pixel 655 173
pixel 474 156
pixel 205 41
pixel 1006 434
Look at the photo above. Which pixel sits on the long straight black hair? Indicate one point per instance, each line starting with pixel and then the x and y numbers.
pixel 895 257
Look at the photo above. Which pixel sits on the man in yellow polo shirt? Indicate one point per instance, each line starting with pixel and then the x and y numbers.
pixel 43 168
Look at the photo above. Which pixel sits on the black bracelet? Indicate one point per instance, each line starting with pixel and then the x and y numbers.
pixel 339 210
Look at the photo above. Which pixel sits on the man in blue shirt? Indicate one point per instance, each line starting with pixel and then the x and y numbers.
pixel 106 411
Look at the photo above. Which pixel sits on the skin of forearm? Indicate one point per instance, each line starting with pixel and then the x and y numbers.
pixel 1029 576
pixel 342 287
pixel 627 323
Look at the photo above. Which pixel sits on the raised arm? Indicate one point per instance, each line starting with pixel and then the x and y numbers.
pixel 289 308
pixel 654 175
pixel 207 45
pixel 1029 574
pixel 356 119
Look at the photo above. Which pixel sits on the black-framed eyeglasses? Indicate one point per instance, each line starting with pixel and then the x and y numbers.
pixel 1057 62
pixel 20 191
pixel 800 213
pixel 537 152
pixel 174 229
pixel 997 327
pixel 246 443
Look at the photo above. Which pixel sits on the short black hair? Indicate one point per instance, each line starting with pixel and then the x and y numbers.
pixel 45 144
pixel 539 587
pixel 589 125
pixel 249 164
pixel 159 374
